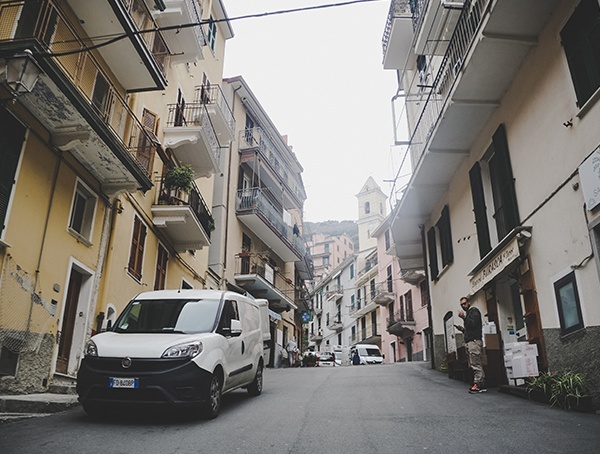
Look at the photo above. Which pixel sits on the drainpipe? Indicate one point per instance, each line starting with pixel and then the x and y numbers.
pixel 429 315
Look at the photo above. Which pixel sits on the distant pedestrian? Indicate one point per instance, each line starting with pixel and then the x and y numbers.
pixel 291 348
pixel 473 340
pixel 355 358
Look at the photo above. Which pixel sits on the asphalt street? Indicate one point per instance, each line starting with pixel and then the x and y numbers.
pixel 399 408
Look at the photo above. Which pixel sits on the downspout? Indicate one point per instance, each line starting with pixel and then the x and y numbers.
pixel 429 314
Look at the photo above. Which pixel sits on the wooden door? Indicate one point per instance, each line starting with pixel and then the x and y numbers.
pixel 68 322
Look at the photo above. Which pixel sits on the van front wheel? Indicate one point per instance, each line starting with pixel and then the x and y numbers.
pixel 212 405
pixel 255 388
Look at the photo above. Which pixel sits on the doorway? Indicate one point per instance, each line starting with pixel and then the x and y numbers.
pixel 72 326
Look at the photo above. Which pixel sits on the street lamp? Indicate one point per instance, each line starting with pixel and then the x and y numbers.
pixel 21 72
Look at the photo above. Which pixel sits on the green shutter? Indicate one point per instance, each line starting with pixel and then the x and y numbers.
pixel 12 135
pixel 502 172
pixel 433 261
pixel 479 208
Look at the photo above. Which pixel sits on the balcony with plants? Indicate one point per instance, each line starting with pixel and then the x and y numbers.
pixel 181 211
pixel 73 97
pixel 255 273
pixel 189 133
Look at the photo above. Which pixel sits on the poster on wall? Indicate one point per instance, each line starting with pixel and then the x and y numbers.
pixel 589 174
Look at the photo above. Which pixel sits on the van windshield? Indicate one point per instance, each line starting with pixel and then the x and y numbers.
pixel 169 316
pixel 368 352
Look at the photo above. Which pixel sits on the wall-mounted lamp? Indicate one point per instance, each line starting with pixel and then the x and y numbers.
pixel 21 72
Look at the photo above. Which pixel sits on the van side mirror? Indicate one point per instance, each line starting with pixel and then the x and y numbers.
pixel 235 330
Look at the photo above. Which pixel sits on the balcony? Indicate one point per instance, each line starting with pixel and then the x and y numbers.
pixel 384 293
pixel 335 324
pixel 259 149
pixel 368 335
pixel 185 43
pixel 363 309
pixel 256 208
pixel 316 336
pixel 334 293
pixel 400 325
pixel 140 60
pixel 317 310
pixel 254 273
pixel 433 22
pixel 189 133
pixel 488 45
pixel 184 217
pixel 76 100
pixel 219 111
pixel 398 34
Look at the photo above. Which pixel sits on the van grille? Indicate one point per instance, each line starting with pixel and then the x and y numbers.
pixel 138 365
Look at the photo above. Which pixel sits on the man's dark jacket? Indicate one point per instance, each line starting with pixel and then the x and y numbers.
pixel 472 324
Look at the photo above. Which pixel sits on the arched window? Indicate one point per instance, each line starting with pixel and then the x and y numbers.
pixel 367 207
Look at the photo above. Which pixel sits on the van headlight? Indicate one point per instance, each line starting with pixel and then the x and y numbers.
pixel 91 349
pixel 187 350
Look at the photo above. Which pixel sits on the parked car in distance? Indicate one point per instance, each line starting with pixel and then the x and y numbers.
pixel 176 348
pixel 325 359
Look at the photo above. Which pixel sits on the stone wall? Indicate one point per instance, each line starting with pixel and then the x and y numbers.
pixel 33 370
pixel 576 352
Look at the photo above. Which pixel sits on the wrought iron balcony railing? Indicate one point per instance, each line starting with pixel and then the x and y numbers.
pixel 213 95
pixel 253 263
pixel 397 8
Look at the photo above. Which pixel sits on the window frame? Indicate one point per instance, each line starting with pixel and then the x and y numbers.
pixel 563 282
pixel 162 262
pixel 88 215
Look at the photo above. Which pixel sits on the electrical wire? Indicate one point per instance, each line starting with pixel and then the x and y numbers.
pixel 115 38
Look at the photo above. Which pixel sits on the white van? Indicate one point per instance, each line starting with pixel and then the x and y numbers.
pixel 178 348
pixel 369 354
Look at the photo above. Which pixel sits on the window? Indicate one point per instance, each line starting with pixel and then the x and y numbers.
pixel 101 95
pixel 389 279
pixel 388 243
pixel 409 306
pixel 581 41
pixel 136 254
pixel 492 179
pixel 569 308
pixel 212 33
pixel 352 303
pixel 8 362
pixel 161 268
pixel 326 247
pixel 424 293
pixel 147 143
pixel 367 207
pixel 83 208
pixel 11 142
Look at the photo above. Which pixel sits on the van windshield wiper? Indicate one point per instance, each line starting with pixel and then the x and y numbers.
pixel 172 330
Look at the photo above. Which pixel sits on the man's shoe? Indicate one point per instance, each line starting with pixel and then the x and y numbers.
pixel 477 389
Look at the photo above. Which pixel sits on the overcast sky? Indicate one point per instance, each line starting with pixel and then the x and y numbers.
pixel 319 76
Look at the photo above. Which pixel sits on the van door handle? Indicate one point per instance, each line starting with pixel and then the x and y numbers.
pixel 243 347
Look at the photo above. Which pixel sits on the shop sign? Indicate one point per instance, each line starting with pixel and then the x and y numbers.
pixel 495 266
pixel 589 175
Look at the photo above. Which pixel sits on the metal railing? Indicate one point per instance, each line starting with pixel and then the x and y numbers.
pixel 83 70
pixel 213 95
pixel 468 23
pixel 194 115
pixel 257 139
pixel 198 31
pixel 192 198
pixel 401 316
pixel 398 8
pixel 255 263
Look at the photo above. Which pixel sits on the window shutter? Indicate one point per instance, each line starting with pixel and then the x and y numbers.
pixel 502 172
pixel 11 142
pixel 479 208
pixel 433 262
pixel 581 41
pixel 445 237
pixel 137 248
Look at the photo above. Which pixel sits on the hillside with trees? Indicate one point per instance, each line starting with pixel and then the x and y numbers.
pixel 333 228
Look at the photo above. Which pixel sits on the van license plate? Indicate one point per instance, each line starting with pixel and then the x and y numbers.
pixel 123 383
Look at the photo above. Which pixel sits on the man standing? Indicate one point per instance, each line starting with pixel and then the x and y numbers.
pixel 291 348
pixel 473 334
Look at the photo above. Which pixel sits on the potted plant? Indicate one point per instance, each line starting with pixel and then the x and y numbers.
pixel 565 390
pixel 181 177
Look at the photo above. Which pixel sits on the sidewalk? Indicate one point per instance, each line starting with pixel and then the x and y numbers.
pixel 31 405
